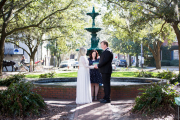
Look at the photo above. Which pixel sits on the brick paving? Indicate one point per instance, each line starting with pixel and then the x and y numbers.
pixel 93 111
pixel 97 110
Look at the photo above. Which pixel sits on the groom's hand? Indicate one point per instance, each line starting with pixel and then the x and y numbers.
pixel 95 66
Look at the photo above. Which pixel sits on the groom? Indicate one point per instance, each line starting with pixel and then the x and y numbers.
pixel 105 68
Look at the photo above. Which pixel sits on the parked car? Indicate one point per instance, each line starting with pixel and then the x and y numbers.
pixel 114 61
pixel 121 63
pixel 65 63
pixel 75 64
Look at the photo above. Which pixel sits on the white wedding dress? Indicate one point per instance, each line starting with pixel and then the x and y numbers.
pixel 83 88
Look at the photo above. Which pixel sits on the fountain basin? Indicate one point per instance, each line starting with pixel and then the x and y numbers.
pixel 93 29
pixel 65 88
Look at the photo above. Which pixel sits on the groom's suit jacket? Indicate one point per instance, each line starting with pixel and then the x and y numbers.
pixel 105 62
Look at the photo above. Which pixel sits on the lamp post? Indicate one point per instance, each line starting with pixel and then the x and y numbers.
pixel 142 58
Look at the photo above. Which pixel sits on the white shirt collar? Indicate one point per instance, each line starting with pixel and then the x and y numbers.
pixel 106 48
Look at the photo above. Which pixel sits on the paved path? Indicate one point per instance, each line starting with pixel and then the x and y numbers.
pixel 95 110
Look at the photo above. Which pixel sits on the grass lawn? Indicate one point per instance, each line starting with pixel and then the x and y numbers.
pixel 74 74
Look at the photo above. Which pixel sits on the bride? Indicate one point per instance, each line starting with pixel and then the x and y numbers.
pixel 83 89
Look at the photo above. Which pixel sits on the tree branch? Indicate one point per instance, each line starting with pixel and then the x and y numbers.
pixel 37 25
pixel 55 12
pixel 116 4
pixel 22 7
pixel 2 3
pixel 162 27
pixel 151 50
pixel 10 12
pixel 19 47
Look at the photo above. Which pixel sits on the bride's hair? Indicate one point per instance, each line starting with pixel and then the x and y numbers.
pixel 82 52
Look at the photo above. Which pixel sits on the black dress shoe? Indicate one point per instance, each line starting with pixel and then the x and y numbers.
pixel 105 101
pixel 101 100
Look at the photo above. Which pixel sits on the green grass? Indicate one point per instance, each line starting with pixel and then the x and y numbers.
pixel 128 74
pixel 32 76
pixel 70 74
pixel 74 74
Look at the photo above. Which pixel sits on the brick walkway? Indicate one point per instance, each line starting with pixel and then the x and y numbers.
pixel 97 110
pixel 93 111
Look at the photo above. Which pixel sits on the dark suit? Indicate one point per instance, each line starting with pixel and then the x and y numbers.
pixel 105 68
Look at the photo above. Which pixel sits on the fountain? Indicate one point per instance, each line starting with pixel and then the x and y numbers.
pixel 93 30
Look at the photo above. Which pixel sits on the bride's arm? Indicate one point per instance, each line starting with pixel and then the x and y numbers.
pixel 84 63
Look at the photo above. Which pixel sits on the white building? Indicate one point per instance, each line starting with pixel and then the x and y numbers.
pixel 14 53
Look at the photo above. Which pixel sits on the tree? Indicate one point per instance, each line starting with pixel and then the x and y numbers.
pixel 14 17
pixel 32 38
pixel 124 40
pixel 145 11
pixel 154 39
pixel 126 46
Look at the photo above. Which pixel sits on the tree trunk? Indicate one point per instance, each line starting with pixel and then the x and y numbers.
pixel 32 58
pixel 2 41
pixel 156 54
pixel 158 61
pixel 137 62
pixel 1 53
pixel 176 29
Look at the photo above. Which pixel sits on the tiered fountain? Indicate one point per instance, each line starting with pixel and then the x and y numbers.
pixel 93 30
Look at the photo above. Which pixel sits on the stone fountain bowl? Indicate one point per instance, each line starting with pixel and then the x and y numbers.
pixel 93 30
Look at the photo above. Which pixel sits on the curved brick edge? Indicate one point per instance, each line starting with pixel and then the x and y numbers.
pixel 69 92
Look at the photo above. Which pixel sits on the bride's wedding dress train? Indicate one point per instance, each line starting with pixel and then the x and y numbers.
pixel 83 88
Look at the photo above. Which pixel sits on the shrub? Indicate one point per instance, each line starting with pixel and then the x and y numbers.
pixel 47 75
pixel 155 96
pixel 175 79
pixel 174 62
pixel 165 75
pixel 12 79
pixel 143 74
pixel 19 100
pixel 165 62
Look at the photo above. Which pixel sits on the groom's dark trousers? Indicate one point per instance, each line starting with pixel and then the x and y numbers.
pixel 106 84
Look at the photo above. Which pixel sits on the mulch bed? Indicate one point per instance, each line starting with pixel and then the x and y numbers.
pixel 159 114
pixel 53 112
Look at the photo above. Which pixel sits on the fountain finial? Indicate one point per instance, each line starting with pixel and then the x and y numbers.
pixel 93 15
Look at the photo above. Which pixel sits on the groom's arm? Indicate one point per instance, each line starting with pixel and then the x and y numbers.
pixel 106 58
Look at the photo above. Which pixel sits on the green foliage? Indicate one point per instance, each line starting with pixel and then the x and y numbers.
pixel 174 63
pixel 155 96
pixel 149 62
pixel 47 75
pixel 143 74
pixel 165 63
pixel 19 100
pixel 166 53
pixel 12 79
pixel 165 75
pixel 175 79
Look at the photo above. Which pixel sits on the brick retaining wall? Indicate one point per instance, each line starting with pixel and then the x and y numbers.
pixel 62 92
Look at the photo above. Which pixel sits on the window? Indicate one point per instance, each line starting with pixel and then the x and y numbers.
pixel 176 55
